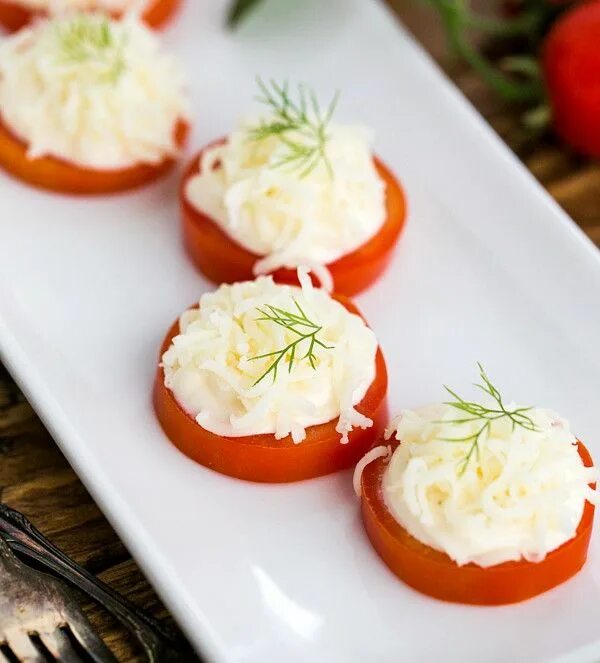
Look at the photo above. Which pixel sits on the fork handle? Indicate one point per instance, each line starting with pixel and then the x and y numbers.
pixel 159 642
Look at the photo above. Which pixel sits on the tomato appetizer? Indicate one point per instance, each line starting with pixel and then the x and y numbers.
pixel 261 381
pixel 479 502
pixel 75 95
pixel 15 14
pixel 275 376
pixel 292 189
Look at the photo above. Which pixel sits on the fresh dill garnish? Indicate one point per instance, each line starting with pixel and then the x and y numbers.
pixel 238 10
pixel 298 323
pixel 91 39
pixel 477 412
pixel 301 125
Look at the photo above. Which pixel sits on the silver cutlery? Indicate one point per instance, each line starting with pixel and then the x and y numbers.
pixel 160 643
pixel 40 621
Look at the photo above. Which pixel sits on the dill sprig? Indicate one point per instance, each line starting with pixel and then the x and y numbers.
pixel 301 125
pixel 477 412
pixel 238 10
pixel 306 331
pixel 86 39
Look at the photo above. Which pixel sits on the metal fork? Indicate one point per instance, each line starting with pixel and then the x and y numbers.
pixel 39 619
pixel 160 643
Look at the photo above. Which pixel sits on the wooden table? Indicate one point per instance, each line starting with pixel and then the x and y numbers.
pixel 36 479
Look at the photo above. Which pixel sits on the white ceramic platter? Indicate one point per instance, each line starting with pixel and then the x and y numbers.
pixel 489 269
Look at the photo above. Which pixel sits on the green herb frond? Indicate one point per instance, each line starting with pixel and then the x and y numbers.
pixel 300 124
pixel 477 412
pixel 91 39
pixel 301 325
pixel 238 10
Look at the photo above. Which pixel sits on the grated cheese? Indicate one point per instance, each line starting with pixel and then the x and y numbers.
pixel 60 6
pixel 523 498
pixel 78 110
pixel 209 368
pixel 375 453
pixel 289 219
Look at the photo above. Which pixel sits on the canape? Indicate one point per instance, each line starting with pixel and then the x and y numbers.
pixel 292 188
pixel 271 382
pixel 479 502
pixel 15 14
pixel 89 105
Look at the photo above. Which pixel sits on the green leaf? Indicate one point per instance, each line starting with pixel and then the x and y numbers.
pixel 526 65
pixel 289 320
pixel 304 132
pixel 239 9
pixel 84 39
pixel 537 119
pixel 457 19
pixel 485 415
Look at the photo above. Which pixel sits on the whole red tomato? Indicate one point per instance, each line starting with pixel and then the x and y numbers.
pixel 571 63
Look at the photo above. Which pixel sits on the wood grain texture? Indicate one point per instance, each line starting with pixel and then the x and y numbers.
pixel 572 180
pixel 36 479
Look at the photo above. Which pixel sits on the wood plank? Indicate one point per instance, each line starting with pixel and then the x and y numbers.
pixel 573 180
pixel 36 479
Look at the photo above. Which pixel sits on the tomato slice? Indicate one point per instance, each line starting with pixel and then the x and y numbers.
pixel 434 573
pixel 262 457
pixel 160 12
pixel 15 15
pixel 58 175
pixel 223 260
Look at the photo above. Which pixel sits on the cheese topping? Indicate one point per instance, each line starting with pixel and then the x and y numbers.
pixel 60 6
pixel 92 91
pixel 210 369
pixel 276 211
pixel 522 498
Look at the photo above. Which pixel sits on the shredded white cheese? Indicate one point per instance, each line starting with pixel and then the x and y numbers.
pixel 104 107
pixel 61 6
pixel 292 220
pixel 523 498
pixel 372 455
pixel 210 370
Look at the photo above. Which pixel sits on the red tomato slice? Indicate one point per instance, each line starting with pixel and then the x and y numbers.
pixel 434 573
pixel 222 260
pixel 160 12
pixel 262 457
pixel 58 175
pixel 14 15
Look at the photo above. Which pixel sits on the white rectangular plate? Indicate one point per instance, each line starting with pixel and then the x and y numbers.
pixel 489 269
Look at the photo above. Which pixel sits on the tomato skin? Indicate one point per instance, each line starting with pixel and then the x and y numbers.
pixel 262 458
pixel 435 574
pixel 222 260
pixel 61 176
pixel 571 65
pixel 160 12
pixel 14 16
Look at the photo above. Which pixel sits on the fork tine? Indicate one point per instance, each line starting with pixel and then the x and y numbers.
pixel 35 603
pixel 88 638
pixel 59 645
pixel 22 647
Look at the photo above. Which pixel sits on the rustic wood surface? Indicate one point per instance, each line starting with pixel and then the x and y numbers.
pixel 36 479
pixel 573 181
